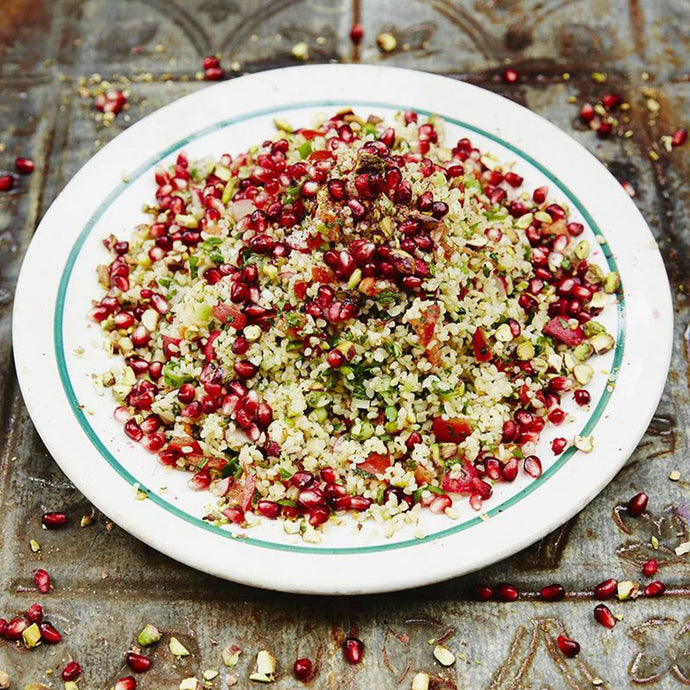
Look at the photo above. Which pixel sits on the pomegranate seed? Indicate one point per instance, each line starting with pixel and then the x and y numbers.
pixel 137 662
pixel 568 647
pixel 15 628
pixel 558 445
pixel 49 633
pixel 611 100
pixel 214 73
pixel 34 613
pixel 353 648
pixel 513 179
pixel 484 593
pixel 510 76
pixel 357 209
pixel 6 183
pixel 679 137
pixel 606 589
pixel 318 516
pixel 336 189
pixel 654 589
pixel 553 592
pixel 24 166
pixel 587 112
pixel 71 671
pixel 310 499
pixel 510 470
pixel 127 683
pixel 133 430
pixel 3 627
pixel 440 504
pixel 303 667
pixel 506 592
pixel 637 504
pixel 54 520
pixel 245 369
pixel 604 130
pixel 42 581
pixel 603 615
pixel 532 465
pixel 582 397
pixel 539 195
pixel 650 567
pixel 269 509
pixel 356 36
pixel 492 467
pixel 335 359
pixel 210 61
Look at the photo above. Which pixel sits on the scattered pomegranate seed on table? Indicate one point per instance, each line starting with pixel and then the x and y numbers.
pixel 34 613
pixel 212 69
pixel 6 182
pixel 127 683
pixel 679 137
pixel 53 520
pixel 353 649
pixel 303 669
pixel 484 593
pixel 42 581
pixel 558 445
pixel 506 592
pixel 654 589
pixel 510 76
pixel 24 166
pixel 568 647
pixel 356 34
pixel 554 592
pixel 49 633
pixel 138 662
pixel 650 567
pixel 638 504
pixel 606 589
pixel 71 671
pixel 603 615
pixel 110 102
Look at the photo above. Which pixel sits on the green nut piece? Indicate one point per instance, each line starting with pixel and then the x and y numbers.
pixel 602 342
pixel 583 351
pixel 361 431
pixel 592 328
pixel 612 283
pixel 149 635
pixel 581 250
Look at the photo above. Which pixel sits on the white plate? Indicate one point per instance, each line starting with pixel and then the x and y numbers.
pixel 58 281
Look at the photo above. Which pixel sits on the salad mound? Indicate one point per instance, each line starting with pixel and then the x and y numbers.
pixel 354 318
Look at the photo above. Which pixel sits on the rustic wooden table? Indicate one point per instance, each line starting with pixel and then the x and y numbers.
pixel 108 585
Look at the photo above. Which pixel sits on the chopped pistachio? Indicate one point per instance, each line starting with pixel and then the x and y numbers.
pixel 443 655
pixel 149 635
pixel 612 282
pixel 674 476
pixel 523 222
pixel 583 374
pixel 265 663
pixel 420 681
pixel 300 51
pixel 86 520
pixel 282 125
pixel 31 636
pixel 231 654
pixel 655 542
pixel 581 250
pixel 387 42
pixel 177 648
pixel 583 351
pixel 525 350
pixel 69 685
pixel 503 333
pixel 683 548
pixel 190 684
pixel 584 443
pixel 209 674
pixel 260 678
pixel 355 279
pixel 35 546
pixel 592 328
pixel 599 300
pixel 627 590
pixel 602 342
pixel 599 77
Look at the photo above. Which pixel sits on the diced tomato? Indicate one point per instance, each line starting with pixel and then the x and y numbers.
pixel 375 464
pixel 453 430
pixel 321 275
pixel 425 325
pixel 313 242
pixel 242 492
pixel 190 445
pixel 209 352
pixel 301 289
pixel 424 475
pixel 310 133
pixel 480 345
pixel 226 313
pixel 559 329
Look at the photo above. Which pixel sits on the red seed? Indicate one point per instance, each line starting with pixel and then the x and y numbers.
pixel 650 567
pixel 637 504
pixel 137 662
pixel 269 509
pixel 510 470
pixel 6 183
pixel 356 36
pixel 54 520
pixel 558 445
pixel 127 683
pixel 604 130
pixel 214 73
pixel 603 615
pixel 71 671
pixel 302 669
pixel 42 581
pixel 611 100
pixel 532 465
pixel 679 137
pixel 513 179
pixel 49 633
pixel 506 592
pixel 335 359
pixel 587 112
pixel 245 369
pixel 582 397
pixel 654 589
pixel 209 62
pixel 3 627
pixel 353 648
pixel 554 592
pixel 568 647
pixel 510 76
pixel 34 613
pixel 484 593
pixel 15 628
pixel 606 589
pixel 539 195
pixel 24 166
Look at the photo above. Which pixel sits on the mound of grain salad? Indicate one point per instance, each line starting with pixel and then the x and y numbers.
pixel 355 318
